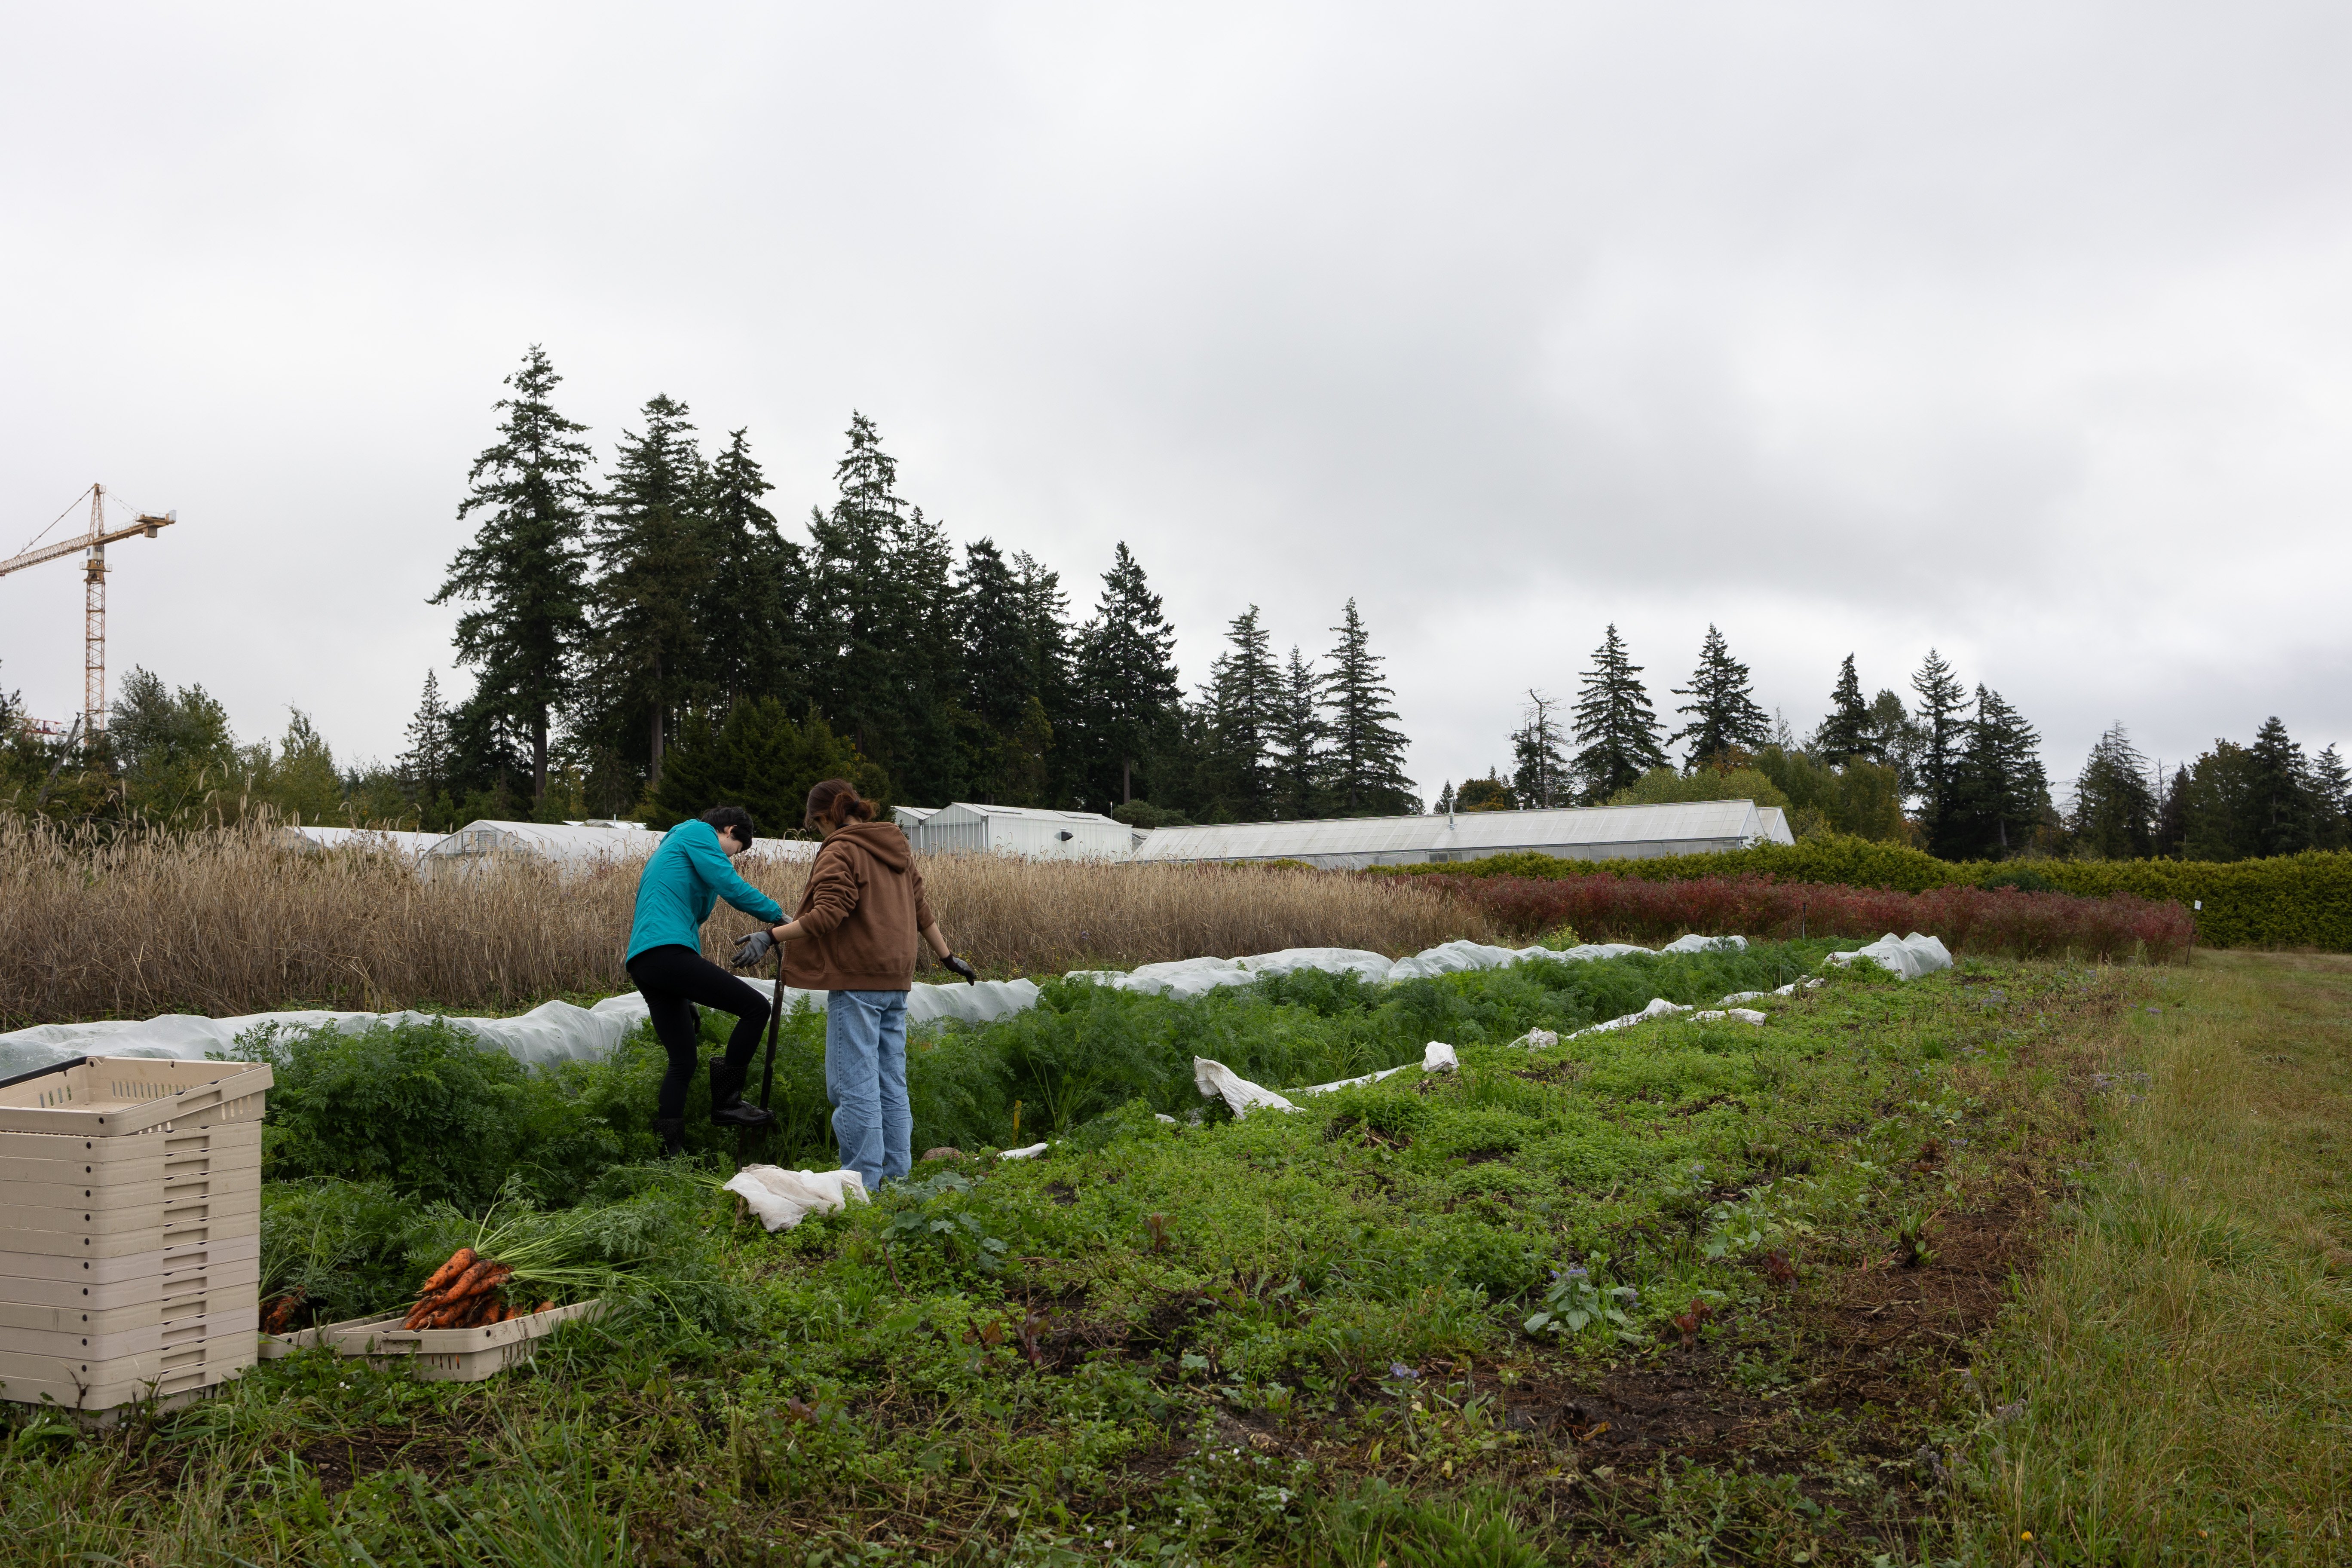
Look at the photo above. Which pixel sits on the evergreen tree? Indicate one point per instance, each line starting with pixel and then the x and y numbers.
pixel 2221 809
pixel 2172 815
pixel 1999 791
pixel 2329 787
pixel 2282 800
pixel 523 568
pixel 1245 696
pixel 757 758
pixel 651 541
pixel 424 767
pixel 1892 739
pixel 1297 737
pixel 1943 710
pixel 1008 668
pixel 849 608
pixel 1046 611
pixel 749 608
pixel 1366 765
pixel 2115 803
pixel 885 618
pixel 1848 731
pixel 1444 798
pixel 1724 714
pixel 1539 768
pixel 1126 678
pixel 1614 723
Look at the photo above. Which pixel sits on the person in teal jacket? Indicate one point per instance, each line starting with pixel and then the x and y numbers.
pixel 685 878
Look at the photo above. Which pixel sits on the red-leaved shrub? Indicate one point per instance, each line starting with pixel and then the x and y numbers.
pixel 1979 919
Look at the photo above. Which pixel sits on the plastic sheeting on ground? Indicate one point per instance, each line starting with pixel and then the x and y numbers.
pixel 1242 1097
pixel 551 1032
pixel 559 1031
pixel 783 1198
pixel 1907 957
pixel 1186 978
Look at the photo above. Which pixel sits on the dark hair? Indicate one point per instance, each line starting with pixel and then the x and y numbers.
pixel 734 816
pixel 835 802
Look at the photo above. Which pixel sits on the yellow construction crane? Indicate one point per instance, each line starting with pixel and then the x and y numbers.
pixel 93 637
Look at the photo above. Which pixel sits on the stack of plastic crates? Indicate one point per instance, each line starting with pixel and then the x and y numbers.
pixel 130 1229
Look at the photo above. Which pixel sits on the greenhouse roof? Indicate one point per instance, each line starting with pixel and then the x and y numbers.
pixel 1605 832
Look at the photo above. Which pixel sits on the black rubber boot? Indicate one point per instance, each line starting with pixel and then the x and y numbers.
pixel 673 1135
pixel 726 1107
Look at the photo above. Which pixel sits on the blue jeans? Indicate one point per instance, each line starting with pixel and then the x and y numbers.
pixel 866 1080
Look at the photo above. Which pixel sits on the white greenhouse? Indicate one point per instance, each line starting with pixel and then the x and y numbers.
pixel 575 850
pixel 1585 833
pixel 1033 831
pixel 378 840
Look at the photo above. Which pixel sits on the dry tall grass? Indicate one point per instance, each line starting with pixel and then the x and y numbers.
pixel 231 921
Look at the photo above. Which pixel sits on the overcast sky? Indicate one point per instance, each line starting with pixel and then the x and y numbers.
pixel 2019 331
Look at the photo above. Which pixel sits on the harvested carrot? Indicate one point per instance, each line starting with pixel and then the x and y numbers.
pixel 459 1261
pixel 546 1306
pixel 468 1282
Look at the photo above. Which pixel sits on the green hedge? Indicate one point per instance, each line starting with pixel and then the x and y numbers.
pixel 2292 901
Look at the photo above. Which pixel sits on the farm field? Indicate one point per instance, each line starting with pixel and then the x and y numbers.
pixel 1766 1269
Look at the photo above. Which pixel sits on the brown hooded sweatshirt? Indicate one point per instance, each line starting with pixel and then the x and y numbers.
pixel 862 914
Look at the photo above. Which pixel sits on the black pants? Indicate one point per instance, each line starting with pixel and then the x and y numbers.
pixel 672 980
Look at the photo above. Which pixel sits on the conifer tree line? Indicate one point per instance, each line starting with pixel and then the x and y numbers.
pixel 1956 771
pixel 652 638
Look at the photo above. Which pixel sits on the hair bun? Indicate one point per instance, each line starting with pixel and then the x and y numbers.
pixel 835 802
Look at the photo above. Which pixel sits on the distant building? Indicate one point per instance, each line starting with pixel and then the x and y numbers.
pixel 382 840
pixel 1587 833
pixel 1027 830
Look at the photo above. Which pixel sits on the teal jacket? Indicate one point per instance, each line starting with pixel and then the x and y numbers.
pixel 689 874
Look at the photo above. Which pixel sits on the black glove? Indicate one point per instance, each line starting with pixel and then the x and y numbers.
pixel 971 975
pixel 752 949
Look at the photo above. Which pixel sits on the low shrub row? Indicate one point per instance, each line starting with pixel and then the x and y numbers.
pixel 1984 921
pixel 2290 900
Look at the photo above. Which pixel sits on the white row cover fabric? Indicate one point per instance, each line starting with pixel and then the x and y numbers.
pixel 1220 1081
pixel 1187 978
pixel 783 1198
pixel 551 1032
pixel 560 1031
pixel 1907 957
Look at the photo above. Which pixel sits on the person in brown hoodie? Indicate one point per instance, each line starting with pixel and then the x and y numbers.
pixel 854 937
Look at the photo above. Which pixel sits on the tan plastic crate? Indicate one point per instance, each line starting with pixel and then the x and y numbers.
pixel 179 1290
pixel 219 1363
pixel 233 1141
pixel 114 1097
pixel 450 1355
pixel 89 1218
pixel 162 1260
pixel 175 1190
pixel 82 1319
pixel 94 1244
pixel 231 1349
pixel 146 1338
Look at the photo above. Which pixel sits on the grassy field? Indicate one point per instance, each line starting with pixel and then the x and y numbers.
pixel 1910 1274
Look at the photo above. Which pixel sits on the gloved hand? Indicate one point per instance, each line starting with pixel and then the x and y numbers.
pixel 971 975
pixel 753 948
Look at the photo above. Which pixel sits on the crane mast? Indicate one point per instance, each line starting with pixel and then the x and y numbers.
pixel 93 635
